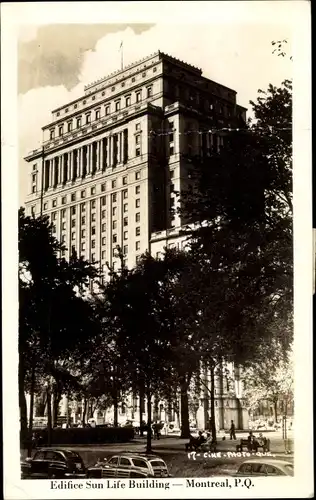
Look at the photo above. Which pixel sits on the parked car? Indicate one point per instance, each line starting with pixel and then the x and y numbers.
pixel 53 463
pixel 265 467
pixel 129 465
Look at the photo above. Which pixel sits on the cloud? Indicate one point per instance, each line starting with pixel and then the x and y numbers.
pixel 238 56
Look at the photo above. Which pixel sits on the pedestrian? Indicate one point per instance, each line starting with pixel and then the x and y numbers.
pixel 232 430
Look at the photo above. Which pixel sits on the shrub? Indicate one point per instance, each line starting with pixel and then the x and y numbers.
pixel 88 435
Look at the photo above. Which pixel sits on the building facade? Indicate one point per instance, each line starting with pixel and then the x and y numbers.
pixel 112 160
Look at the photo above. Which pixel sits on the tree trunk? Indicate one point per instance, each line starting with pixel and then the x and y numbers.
pixel 148 446
pixel 141 406
pixel 29 448
pixel 49 417
pixel 22 403
pixel 212 391
pixel 56 401
pixel 275 405
pixel 185 426
pixel 155 415
pixel 115 405
pixel 84 413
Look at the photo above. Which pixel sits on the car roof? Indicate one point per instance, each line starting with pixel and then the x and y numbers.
pixel 130 454
pixel 264 460
pixel 63 450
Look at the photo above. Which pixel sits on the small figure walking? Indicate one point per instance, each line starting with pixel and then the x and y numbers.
pixel 232 430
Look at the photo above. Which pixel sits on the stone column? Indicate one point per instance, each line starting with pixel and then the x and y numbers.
pixel 109 163
pixel 80 162
pixel 70 166
pixel 101 154
pixel 51 173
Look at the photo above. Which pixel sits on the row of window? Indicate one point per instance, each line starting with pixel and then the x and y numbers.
pixel 93 192
pixel 96 113
pixel 102 94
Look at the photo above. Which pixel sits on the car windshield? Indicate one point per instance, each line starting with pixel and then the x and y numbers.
pixel 157 463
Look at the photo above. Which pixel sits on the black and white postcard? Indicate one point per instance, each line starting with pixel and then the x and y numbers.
pixel 157 250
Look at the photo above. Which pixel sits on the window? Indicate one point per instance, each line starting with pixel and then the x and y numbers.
pixel 54 215
pixel 125 461
pixel 73 223
pixel 73 210
pixel 93 98
pixel 63 213
pixel 104 238
pixel 88 118
pixel 60 130
pixel 114 197
pixel 114 224
pixel 137 139
pixel 83 207
pixel 133 79
pixel 171 174
pixel 63 200
pixel 54 229
pixel 103 201
pixel 114 252
pixel 171 188
pixel 114 238
pixel 125 235
pixel 144 74
pixel 92 229
pixel 125 207
pixel 93 190
pixel 172 202
pixel 75 106
pixel 63 238
pixel 83 233
pixel 107 110
pixel 113 184
pixel 137 259
pixel 93 216
pixel 137 126
pixel 54 203
pixel 149 91
pixel 125 249
pixel 45 206
pixel 112 89
pixel 103 254
pixel 123 84
pixel 125 194
pixel 117 105
pixel 83 220
pixel 92 243
pixel 125 221
pixel 124 181
pixel 137 189
pixel 84 101
pixel 128 101
pixel 33 177
pixel 58 114
pixel 83 246
pixel 33 189
pixel 73 235
pixel 52 134
pixel 83 194
pixel 137 152
pixel 137 245
pixel 171 137
pixel 102 188
pixel 93 204
pixel 137 175
pixel 78 122
pixel 97 114
pixel 103 214
pixel 114 211
pixel 137 217
pixel 69 126
pixel 138 96
pixel 171 150
pixel 73 196
pixel 137 202
pixel 103 228
pixel 154 70
pixel 137 231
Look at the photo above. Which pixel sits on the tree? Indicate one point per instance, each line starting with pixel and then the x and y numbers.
pixel 56 323
pixel 270 380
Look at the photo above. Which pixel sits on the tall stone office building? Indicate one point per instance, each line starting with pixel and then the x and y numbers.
pixel 112 160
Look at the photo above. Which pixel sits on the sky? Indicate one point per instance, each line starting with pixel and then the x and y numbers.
pixel 56 60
